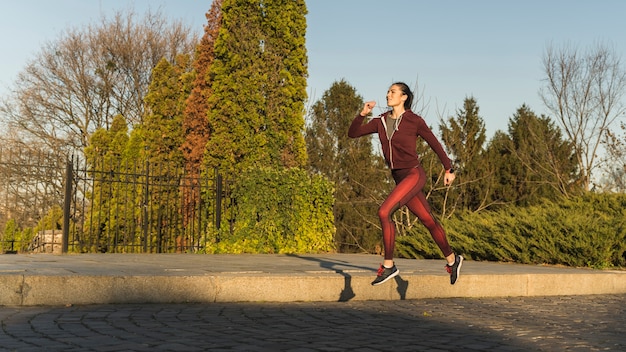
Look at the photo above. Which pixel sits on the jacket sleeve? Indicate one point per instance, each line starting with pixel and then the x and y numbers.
pixel 358 129
pixel 430 138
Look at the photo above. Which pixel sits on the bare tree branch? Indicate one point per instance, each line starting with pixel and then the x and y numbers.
pixel 79 82
pixel 585 94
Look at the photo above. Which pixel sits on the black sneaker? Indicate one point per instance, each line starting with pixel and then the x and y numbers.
pixel 455 269
pixel 384 274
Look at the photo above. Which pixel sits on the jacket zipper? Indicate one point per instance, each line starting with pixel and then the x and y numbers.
pixel 392 133
pixel 390 153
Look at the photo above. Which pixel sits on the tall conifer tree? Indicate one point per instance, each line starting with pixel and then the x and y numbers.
pixel 104 156
pixel 195 124
pixel 259 86
pixel 358 174
pixel 533 161
pixel 464 136
pixel 165 101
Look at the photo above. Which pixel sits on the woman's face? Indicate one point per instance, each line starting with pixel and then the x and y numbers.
pixel 395 96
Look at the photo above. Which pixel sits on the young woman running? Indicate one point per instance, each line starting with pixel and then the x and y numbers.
pixel 398 130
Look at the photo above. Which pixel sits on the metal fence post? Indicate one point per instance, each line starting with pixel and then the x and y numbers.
pixel 146 202
pixel 69 176
pixel 218 202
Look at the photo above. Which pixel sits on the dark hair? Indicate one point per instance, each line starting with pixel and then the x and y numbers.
pixel 406 90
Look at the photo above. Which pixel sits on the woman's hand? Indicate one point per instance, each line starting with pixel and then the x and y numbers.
pixel 448 178
pixel 367 108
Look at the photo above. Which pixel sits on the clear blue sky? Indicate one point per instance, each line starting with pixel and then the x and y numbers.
pixel 488 49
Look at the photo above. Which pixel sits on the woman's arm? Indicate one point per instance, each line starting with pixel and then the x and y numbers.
pixel 357 128
pixel 433 142
pixel 430 138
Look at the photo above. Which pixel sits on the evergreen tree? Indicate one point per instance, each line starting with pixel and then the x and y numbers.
pixel 259 86
pixel 165 102
pixel 132 168
pixel 162 137
pixel 535 161
pixel 104 157
pixel 195 125
pixel 11 237
pixel 358 174
pixel 464 137
pixel 500 158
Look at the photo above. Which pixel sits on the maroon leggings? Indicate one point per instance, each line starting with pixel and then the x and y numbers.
pixel 408 191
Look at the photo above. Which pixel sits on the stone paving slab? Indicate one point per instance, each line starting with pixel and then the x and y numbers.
pixel 551 323
pixel 45 279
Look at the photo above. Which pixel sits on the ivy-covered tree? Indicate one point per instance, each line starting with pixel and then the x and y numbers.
pixel 358 174
pixel 464 136
pixel 258 86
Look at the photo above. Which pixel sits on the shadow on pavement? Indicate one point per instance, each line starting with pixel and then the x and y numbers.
pixel 347 293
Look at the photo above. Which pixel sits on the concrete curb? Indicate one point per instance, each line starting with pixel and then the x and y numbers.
pixel 108 279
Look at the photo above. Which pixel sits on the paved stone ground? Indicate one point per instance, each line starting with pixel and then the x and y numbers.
pixel 574 323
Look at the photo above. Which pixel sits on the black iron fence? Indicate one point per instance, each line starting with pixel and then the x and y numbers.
pixel 31 186
pixel 51 204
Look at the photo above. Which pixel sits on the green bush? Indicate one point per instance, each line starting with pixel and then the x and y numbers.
pixel 278 211
pixel 11 238
pixel 588 231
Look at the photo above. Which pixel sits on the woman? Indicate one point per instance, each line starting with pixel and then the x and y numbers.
pixel 398 130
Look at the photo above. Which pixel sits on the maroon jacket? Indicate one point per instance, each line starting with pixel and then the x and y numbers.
pixel 400 150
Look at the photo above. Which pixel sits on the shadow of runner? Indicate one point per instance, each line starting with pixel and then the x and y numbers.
pixel 347 293
pixel 403 286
